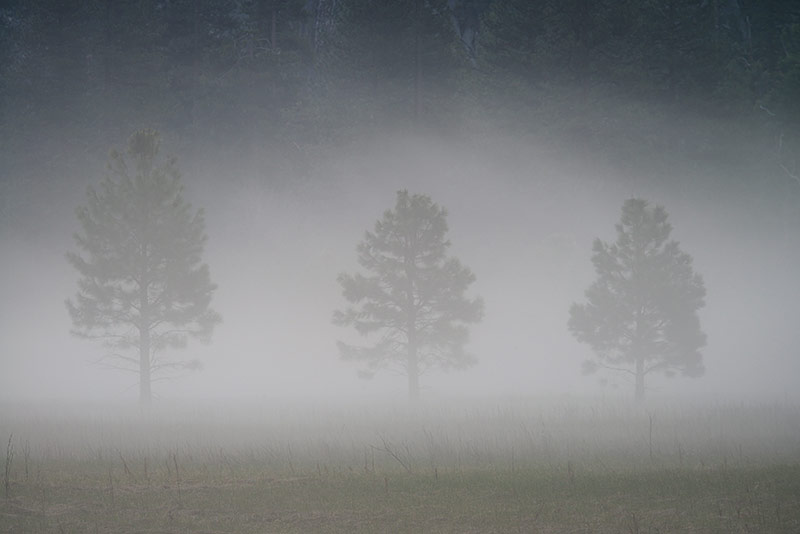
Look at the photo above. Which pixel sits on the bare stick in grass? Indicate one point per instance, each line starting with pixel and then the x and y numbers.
pixel 26 455
pixel 125 466
pixel 389 449
pixel 9 459
pixel 570 474
pixel 177 476
pixel 111 485
pixel 291 464
pixel 634 526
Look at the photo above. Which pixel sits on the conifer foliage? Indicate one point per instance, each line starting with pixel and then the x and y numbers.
pixel 641 313
pixel 412 301
pixel 143 286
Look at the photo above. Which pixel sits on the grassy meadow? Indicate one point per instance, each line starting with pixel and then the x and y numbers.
pixel 516 465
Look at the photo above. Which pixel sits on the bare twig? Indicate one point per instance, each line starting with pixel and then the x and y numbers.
pixel 26 455
pixel 125 465
pixel 111 484
pixel 763 108
pixel 177 476
pixel 389 449
pixel 792 175
pixel 7 472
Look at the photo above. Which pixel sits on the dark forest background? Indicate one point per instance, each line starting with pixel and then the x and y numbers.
pixel 644 83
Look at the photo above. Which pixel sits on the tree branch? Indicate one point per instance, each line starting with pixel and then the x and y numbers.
pixel 620 369
pixel 792 175
pixel 102 363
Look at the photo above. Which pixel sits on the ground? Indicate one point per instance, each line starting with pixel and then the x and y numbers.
pixel 510 469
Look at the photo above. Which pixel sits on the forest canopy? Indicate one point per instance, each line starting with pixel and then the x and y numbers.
pixel 606 76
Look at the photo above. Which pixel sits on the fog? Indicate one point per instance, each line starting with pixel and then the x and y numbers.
pixel 522 213
pixel 298 127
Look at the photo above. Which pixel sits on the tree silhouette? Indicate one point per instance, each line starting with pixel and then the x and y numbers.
pixel 641 313
pixel 142 283
pixel 413 298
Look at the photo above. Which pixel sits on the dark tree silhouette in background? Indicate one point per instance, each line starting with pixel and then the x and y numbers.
pixel 641 313
pixel 143 287
pixel 413 298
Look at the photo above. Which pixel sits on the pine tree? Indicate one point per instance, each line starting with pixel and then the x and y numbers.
pixel 641 312
pixel 142 283
pixel 413 298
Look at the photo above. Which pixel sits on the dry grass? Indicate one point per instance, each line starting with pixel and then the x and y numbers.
pixel 507 468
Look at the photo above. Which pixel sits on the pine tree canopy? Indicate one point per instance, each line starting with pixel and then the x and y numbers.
pixel 641 312
pixel 412 301
pixel 142 283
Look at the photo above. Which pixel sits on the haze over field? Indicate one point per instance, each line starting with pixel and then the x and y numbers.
pixel 525 228
pixel 283 216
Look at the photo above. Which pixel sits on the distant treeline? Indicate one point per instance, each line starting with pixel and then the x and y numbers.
pixel 309 72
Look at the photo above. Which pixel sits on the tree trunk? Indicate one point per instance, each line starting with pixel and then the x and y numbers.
pixel 413 369
pixel 639 395
pixel 145 395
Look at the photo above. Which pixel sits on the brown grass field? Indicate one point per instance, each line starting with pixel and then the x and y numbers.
pixel 516 466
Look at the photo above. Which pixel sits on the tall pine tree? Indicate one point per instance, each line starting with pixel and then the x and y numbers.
pixel 143 287
pixel 413 298
pixel 641 313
